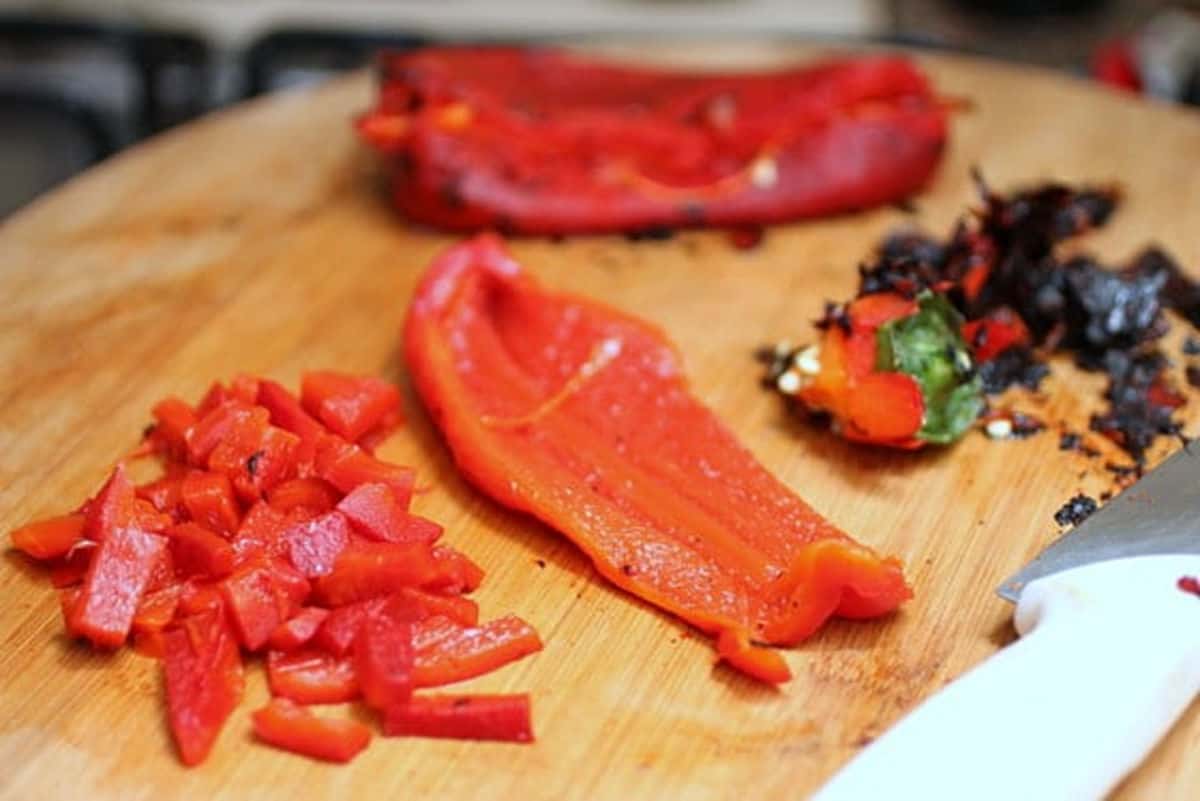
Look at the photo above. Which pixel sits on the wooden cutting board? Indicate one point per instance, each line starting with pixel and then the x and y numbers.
pixel 259 240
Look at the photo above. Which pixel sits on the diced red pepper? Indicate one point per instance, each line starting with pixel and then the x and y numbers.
pixel 244 388
pixel 217 395
pixel 763 664
pixel 314 545
pixel 455 572
pixel 876 310
pixel 455 607
pixel 199 552
pixel 156 609
pixel 311 495
pixel 196 597
pixel 466 717
pixel 261 533
pixel 288 725
pixel 117 577
pixel 147 518
pixel 209 500
pixel 286 411
pixel 383 655
pixel 111 508
pixel 165 495
pixel 312 677
pixel 347 466
pixel 349 405
pixel 255 455
pixel 298 630
pixel 373 511
pixel 70 569
pixel 49 539
pixel 447 652
pixel 370 570
pixel 338 632
pixel 172 419
pixel 214 426
pixel 204 682
pixel 261 596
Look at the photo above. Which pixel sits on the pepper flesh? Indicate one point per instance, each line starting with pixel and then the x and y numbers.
pixel 580 415
pixel 540 141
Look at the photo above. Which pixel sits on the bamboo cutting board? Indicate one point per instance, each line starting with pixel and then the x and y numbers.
pixel 259 240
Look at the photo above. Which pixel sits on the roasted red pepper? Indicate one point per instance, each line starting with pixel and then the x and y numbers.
pixel 383 654
pixel 579 414
pixel 287 725
pixel 177 564
pixel 541 141
pixel 468 717
pixel 204 682
pixel 312 677
pixel 49 539
pixel 298 629
pixel 314 545
pixel 447 651
pixel 373 510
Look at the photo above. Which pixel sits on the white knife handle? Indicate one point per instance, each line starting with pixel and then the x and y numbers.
pixel 1108 659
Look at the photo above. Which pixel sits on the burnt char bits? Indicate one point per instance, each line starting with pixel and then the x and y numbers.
pixel 1005 256
pixel 1076 510
pixel 1140 405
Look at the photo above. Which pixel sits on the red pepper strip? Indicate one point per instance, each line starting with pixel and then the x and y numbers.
pixel 111 507
pixel 49 539
pixel 447 651
pixel 383 655
pixel 288 725
pixel 314 545
pixel 373 511
pixel 298 630
pixel 261 596
pixel 455 607
pixel 312 677
pixel 370 570
pixel 199 552
pixel 210 502
pixel 541 141
pixel 463 717
pixel 349 405
pixel 580 415
pixel 762 663
pixel 118 574
pixel 204 682
pixel 311 495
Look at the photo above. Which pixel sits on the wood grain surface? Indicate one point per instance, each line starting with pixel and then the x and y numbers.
pixel 259 240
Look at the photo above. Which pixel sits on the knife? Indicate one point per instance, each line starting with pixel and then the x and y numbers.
pixel 1108 659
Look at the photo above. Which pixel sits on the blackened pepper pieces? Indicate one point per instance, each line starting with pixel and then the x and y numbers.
pixel 539 141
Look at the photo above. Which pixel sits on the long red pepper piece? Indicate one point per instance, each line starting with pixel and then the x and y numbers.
pixel 534 140
pixel 580 415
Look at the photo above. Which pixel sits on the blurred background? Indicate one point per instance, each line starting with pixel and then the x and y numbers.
pixel 82 79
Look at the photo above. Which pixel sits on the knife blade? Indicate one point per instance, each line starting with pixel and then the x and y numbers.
pixel 1108 658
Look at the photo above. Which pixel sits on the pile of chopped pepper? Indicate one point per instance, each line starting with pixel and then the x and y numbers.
pixel 275 530
pixel 937 325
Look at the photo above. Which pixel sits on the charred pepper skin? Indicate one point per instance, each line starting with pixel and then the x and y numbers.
pixel 539 141
pixel 580 415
